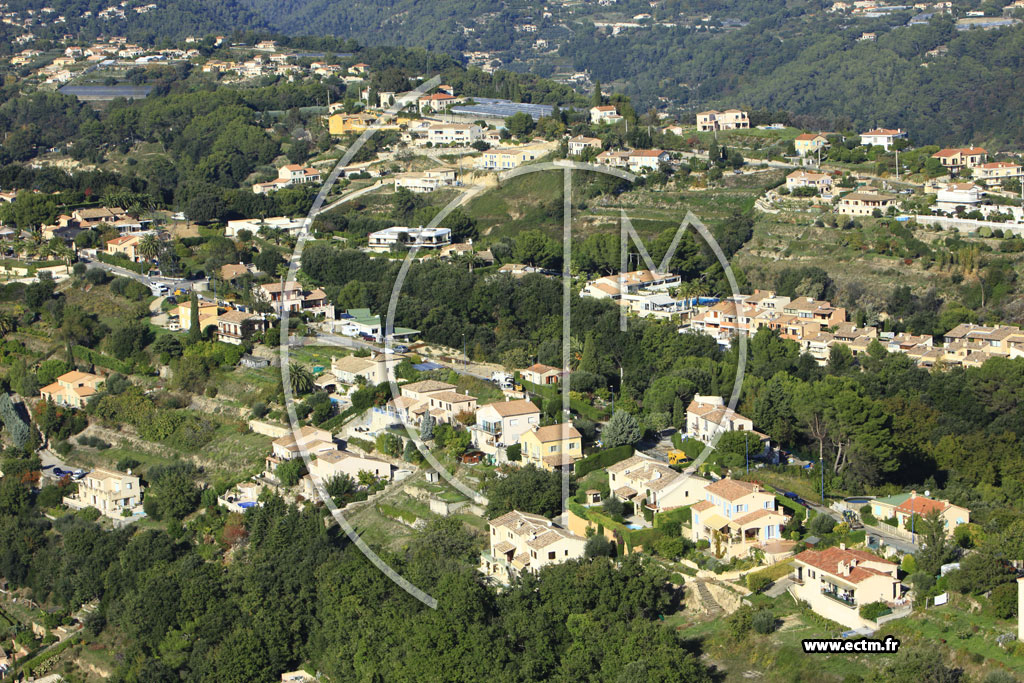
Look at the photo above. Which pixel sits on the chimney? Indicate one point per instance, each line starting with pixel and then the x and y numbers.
pixel 842 546
pixel 507 398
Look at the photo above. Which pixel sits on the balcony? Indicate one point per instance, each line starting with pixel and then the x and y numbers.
pixel 839 597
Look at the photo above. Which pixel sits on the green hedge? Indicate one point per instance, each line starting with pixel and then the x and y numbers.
pixel 681 515
pixel 30 667
pixel 120 262
pixel 631 538
pixel 97 358
pixel 605 458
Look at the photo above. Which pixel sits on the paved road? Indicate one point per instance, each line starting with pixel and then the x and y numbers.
pixel 170 282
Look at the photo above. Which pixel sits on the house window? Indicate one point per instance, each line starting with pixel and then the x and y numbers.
pixel 572 446
pixel 551 554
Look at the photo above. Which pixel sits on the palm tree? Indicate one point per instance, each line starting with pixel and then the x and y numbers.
pixel 301 379
pixel 575 352
pixel 149 247
pixel 64 253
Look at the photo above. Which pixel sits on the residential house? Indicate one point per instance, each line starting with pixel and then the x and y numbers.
pixel 904 506
pixel 374 369
pixel 510 158
pixel 730 119
pixel 822 182
pixel 281 296
pixel 236 327
pixel 230 272
pixel 956 158
pixel 360 68
pixel 640 160
pixel 181 316
pixel 447 406
pixel 360 322
pixel 706 416
pixel 737 517
pixel 882 137
pixel 522 542
pixel 453 134
pixel 538 373
pixel 580 143
pixel 554 447
pixel 254 225
pixel 288 175
pixel 426 181
pixel 343 124
pixel 126 246
pixel 604 114
pixel 414 402
pixel 837 582
pixel 953 196
pixel 112 493
pixel 502 423
pixel 438 101
pixel 995 171
pixel 646 481
pixel 809 143
pixel 616 158
pixel 310 439
pixel 318 303
pixel 865 203
pixel 330 464
pixel 73 389
pixel 402 237
pixel 632 282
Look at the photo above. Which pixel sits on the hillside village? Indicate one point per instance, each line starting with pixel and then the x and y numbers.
pixel 145 349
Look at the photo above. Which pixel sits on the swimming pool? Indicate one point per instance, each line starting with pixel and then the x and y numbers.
pixel 634 526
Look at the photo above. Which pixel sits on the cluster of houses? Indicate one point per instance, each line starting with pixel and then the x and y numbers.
pixel 327 459
pixel 818 325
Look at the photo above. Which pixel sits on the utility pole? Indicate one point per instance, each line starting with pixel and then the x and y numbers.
pixel 746 448
pixel 897 164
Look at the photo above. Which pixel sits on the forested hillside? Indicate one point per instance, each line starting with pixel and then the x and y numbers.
pixel 791 58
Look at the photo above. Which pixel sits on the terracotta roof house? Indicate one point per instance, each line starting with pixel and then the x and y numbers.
pixel 837 582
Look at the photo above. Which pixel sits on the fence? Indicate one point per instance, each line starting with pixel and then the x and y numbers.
pixel 884 528
pixel 967 224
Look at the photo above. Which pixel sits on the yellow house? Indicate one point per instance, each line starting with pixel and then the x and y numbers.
pixel 553 447
pixel 207 316
pixel 340 124
pixel 808 143
pixel 72 389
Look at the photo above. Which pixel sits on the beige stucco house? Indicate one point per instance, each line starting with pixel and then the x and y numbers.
pixel 837 582
pixel 73 389
pixel 502 423
pixel 521 542
pixel 109 491
pixel 737 517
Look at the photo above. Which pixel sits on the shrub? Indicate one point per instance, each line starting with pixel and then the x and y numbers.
pixel 126 464
pixel 1004 601
pixel 63 448
pixel 874 610
pixel 757 582
pixel 821 525
pixel 514 453
pixel 763 622
pixel 259 409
